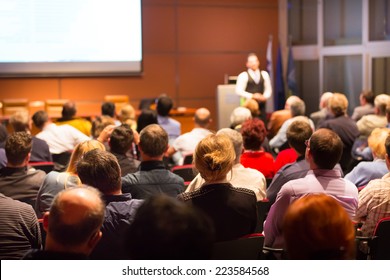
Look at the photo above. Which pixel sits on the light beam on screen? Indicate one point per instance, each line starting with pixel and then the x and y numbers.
pixel 70 37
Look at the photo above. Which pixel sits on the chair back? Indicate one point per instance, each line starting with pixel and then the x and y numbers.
pixel 380 245
pixel 246 248
pixel 184 171
pixel 46 166
pixel 263 207
pixel 188 158
pixel 53 107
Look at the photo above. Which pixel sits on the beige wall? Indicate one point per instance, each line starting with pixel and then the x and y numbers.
pixel 189 45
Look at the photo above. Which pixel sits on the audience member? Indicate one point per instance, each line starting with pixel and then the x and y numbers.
pixel 239 177
pixel 323 151
pixel 19 229
pixel 171 126
pixel 322 114
pixel 121 144
pixel 108 109
pixel 61 138
pixel 167 229
pixel 374 199
pixel 278 117
pixel 146 118
pixel 343 126
pixel 72 226
pixel 366 107
pixel 186 143
pixel 366 171
pixel 57 181
pixel 233 210
pixel 317 227
pixel 100 169
pixel 20 121
pixel 238 116
pixel 16 180
pixel 68 113
pixel 367 123
pixel 297 109
pixel 253 107
pixel 253 133
pixel 297 133
pixel 127 116
pixel 3 135
pixel 152 178
pixel 99 124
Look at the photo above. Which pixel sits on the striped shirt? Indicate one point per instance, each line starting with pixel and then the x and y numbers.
pixel 374 204
pixel 19 228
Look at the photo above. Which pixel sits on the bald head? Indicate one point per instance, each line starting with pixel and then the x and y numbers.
pixel 202 117
pixel 76 215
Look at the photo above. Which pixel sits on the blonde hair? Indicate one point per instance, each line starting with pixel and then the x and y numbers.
pixel 338 104
pixel 127 116
pixel 377 140
pixel 214 157
pixel 79 152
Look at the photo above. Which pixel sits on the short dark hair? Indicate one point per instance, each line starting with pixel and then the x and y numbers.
pixel 74 234
pixel 17 147
pixel 369 96
pixel 165 228
pixel 100 169
pixel 121 139
pixel 40 118
pixel 253 133
pixel 68 110
pixel 164 105
pixel 326 148
pixel 108 109
pixel 297 133
pixel 153 140
pixel 146 118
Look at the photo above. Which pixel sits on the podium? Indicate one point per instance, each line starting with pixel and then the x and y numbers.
pixel 227 101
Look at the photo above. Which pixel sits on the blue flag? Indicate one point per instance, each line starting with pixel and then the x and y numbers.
pixel 279 96
pixel 291 79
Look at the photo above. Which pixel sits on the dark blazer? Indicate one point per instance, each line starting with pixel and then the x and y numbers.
pixel 233 210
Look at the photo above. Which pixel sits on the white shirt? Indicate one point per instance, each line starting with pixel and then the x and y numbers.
pixel 239 177
pixel 186 143
pixel 61 138
pixel 242 81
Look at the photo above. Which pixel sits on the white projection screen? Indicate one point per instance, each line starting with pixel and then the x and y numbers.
pixel 70 38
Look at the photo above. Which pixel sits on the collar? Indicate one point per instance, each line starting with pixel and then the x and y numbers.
pixel 115 198
pixel 326 172
pixel 151 165
pixel 8 171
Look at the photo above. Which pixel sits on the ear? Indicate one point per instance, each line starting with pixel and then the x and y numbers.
pixel 166 150
pixel 387 161
pixel 27 160
pixel 46 221
pixel 95 238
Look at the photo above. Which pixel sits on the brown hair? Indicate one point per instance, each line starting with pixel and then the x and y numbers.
pixel 253 133
pixel 316 226
pixel 297 133
pixel 17 147
pixel 214 157
pixel 153 140
pixel 326 148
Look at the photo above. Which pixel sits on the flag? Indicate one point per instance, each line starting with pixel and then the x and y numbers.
pixel 291 79
pixel 270 70
pixel 279 96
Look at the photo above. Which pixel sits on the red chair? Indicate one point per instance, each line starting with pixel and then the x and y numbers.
pixel 46 166
pixel 379 242
pixel 187 172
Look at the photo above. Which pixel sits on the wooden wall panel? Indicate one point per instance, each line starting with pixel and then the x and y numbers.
pixel 189 45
